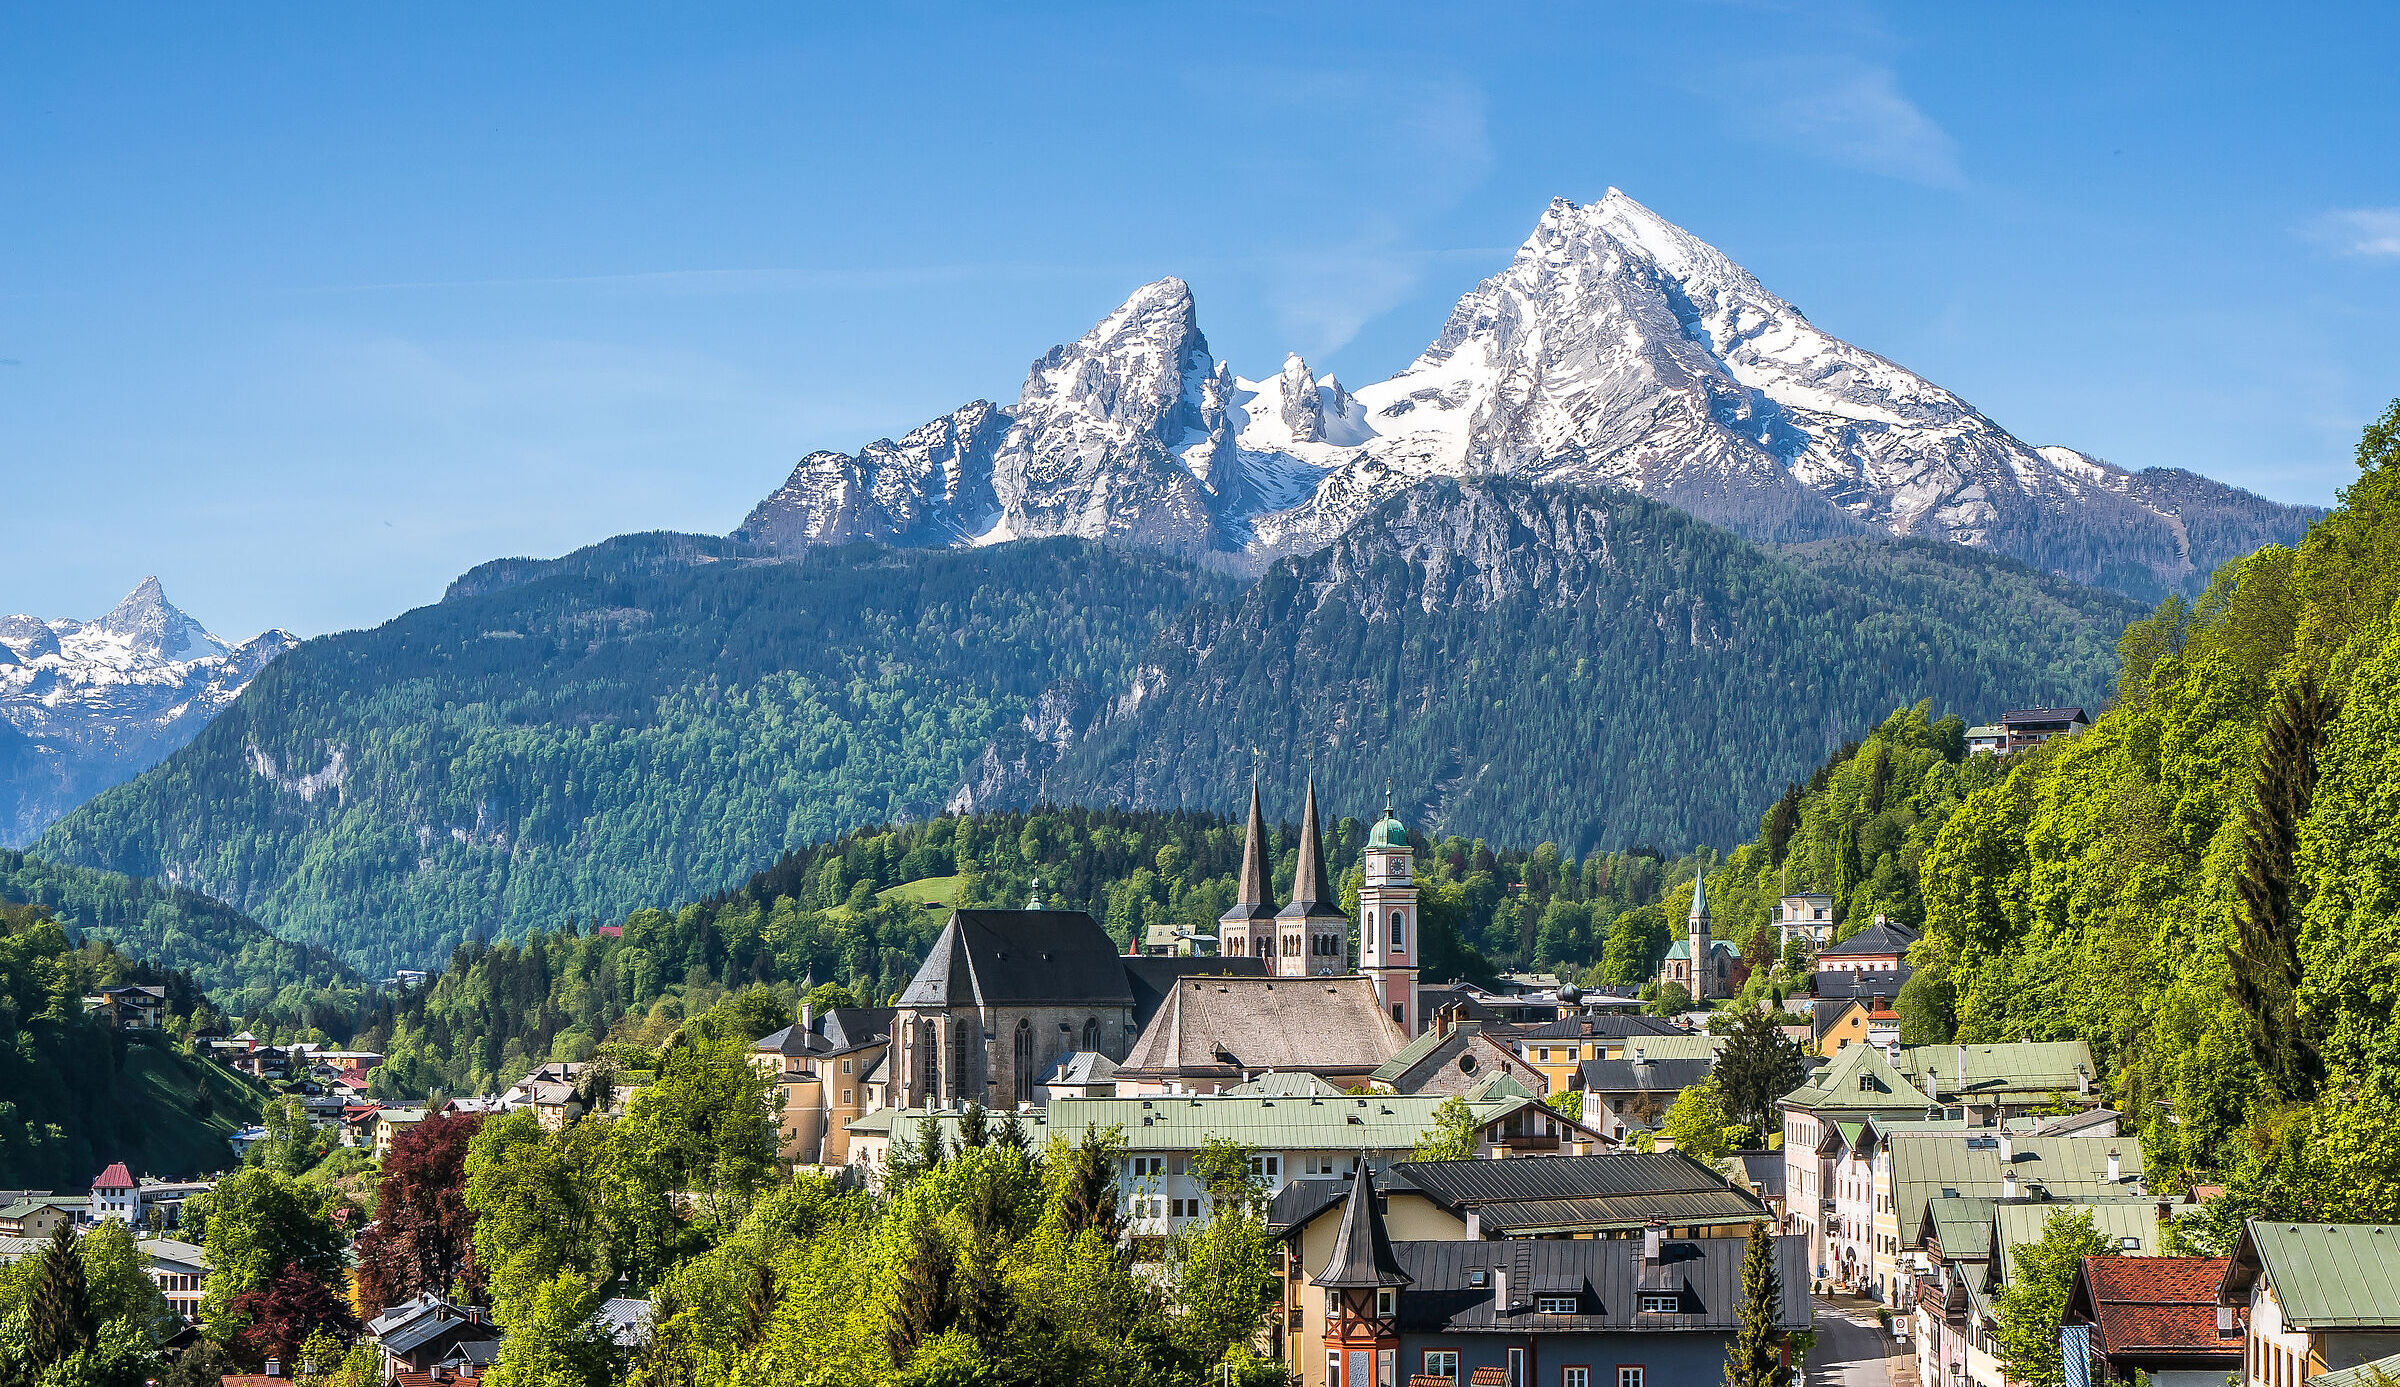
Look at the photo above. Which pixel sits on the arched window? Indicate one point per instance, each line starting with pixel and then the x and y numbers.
pixel 1091 1033
pixel 1024 1062
pixel 1399 929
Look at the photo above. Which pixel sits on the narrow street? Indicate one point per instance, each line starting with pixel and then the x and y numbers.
pixel 1852 1350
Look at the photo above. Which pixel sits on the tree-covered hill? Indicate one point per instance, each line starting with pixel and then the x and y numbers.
pixel 233 958
pixel 2204 886
pixel 76 1093
pixel 840 913
pixel 647 721
pixel 1586 668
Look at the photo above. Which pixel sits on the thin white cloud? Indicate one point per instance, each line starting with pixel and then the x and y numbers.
pixel 1845 111
pixel 2373 232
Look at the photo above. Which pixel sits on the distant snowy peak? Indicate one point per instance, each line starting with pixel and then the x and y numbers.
pixel 1615 348
pixel 104 700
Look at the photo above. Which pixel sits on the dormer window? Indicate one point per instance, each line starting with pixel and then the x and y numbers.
pixel 1554 1304
pixel 1385 1301
pixel 1660 1305
pixel 1479 1277
pixel 1866 1083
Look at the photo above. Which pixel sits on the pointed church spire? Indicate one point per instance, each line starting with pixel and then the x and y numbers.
pixel 1253 888
pixel 1699 898
pixel 1310 889
pixel 1362 1250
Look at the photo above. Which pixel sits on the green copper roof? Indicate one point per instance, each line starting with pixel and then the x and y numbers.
pixel 2327 1276
pixel 1387 832
pixel 2379 1373
pixel 1699 896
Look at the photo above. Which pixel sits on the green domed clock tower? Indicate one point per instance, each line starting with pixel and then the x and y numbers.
pixel 1387 918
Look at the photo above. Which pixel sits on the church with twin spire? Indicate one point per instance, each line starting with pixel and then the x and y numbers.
pixel 1310 936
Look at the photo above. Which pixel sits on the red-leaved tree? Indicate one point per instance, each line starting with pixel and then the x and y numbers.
pixel 423 1235
pixel 279 1319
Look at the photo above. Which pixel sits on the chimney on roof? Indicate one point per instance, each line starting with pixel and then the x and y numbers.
pixel 2225 1326
pixel 2008 1184
pixel 1639 1057
pixel 2116 1167
pixel 274 1367
pixel 1652 1235
pixel 2083 1077
pixel 1499 1291
pixel 2008 1146
pixel 1474 1225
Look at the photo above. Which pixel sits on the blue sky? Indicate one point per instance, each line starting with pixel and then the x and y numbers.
pixel 308 309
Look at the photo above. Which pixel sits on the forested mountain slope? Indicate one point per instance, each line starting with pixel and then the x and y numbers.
pixel 233 958
pixel 655 718
pixel 647 721
pixel 77 1094
pixel 1587 668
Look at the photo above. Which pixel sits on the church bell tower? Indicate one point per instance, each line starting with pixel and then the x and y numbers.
pixel 1387 918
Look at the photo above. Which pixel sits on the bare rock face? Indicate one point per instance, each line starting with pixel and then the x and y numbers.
pixel 1615 349
pixel 90 704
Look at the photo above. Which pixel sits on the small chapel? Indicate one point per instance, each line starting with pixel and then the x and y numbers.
pixel 1702 967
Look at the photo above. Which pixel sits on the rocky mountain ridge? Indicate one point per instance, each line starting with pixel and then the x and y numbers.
pixel 87 704
pixel 1615 349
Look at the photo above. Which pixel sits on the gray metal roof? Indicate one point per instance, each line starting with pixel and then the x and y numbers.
pixel 1606 1026
pixel 1606 1276
pixel 2380 1373
pixel 1884 938
pixel 1676 1209
pixel 1461 1184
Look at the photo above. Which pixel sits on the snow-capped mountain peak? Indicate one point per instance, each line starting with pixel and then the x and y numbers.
pixel 103 700
pixel 1614 348
pixel 154 630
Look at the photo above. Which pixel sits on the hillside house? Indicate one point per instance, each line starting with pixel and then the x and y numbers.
pixel 1363 1309
pixel 2321 1298
pixel 2157 1317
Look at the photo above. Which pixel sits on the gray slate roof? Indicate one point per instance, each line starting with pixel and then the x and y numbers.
pixel 1606 1277
pixel 1362 1251
pixel 1608 1026
pixel 1886 938
pixel 1019 958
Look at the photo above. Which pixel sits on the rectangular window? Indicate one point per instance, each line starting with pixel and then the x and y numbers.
pixel 1383 1367
pixel 1628 1376
pixel 1516 1368
pixel 846 1097
pixel 1442 1362
pixel 1333 1367
pixel 846 1066
pixel 1267 1168
pixel 1384 1297
pixel 1575 1377
pixel 1554 1304
pixel 1660 1304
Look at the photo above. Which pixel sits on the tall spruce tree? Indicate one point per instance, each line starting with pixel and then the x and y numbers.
pixel 59 1321
pixel 1088 1193
pixel 925 1297
pixel 1752 1360
pixel 1760 1065
pixel 2266 948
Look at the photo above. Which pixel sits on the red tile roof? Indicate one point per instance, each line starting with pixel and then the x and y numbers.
pixel 2144 1305
pixel 116 1177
